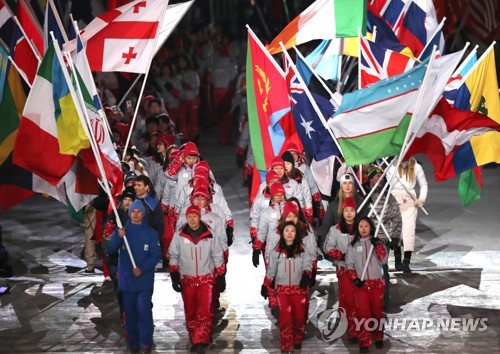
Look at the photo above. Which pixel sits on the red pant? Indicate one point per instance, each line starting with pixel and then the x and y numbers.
pixel 347 302
pixel 292 319
pixel 188 118
pixel 369 304
pixel 197 300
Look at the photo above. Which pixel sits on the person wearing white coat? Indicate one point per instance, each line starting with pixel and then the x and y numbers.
pixel 407 176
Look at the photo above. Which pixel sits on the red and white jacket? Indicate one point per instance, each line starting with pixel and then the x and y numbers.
pixel 198 262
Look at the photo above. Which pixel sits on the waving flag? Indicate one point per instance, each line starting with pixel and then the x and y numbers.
pixel 378 63
pixel 91 104
pixel 323 19
pixel 313 134
pixel 372 122
pixel 173 15
pixel 123 39
pixel 50 134
pixel 53 24
pixel 30 25
pixel 479 91
pixel 6 23
pixel 449 138
pixel 15 182
pixel 325 59
pixel 267 103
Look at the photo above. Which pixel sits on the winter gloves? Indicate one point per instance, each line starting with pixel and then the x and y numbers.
pixel 176 281
pixel 230 235
pixel 304 281
pixel 255 258
pixel 358 282
pixel 263 291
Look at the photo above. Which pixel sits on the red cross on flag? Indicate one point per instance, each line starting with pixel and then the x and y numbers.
pixel 123 39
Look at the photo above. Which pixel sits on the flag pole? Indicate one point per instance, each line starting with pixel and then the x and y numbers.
pixel 144 83
pixel 129 90
pixel 404 186
pixel 265 51
pixel 479 61
pixel 466 60
pixel 400 157
pixel 35 51
pixel 85 120
pixel 359 58
pixel 332 95
pixel 439 27
pixel 309 96
pixel 101 110
pixel 21 73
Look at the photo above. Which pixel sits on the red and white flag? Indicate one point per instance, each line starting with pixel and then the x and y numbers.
pixel 123 39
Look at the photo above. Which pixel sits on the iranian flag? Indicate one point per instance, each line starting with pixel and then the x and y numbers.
pixel 323 19
pixel 372 122
pixel 95 113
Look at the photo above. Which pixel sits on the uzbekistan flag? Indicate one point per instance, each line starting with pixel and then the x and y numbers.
pixel 323 19
pixel 372 122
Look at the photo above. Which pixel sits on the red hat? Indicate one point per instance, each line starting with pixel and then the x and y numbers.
pixel 277 161
pixel 277 188
pixel 190 149
pixel 193 209
pixel 272 176
pixel 202 165
pixel 200 175
pixel 166 139
pixel 290 207
pixel 201 191
pixel 202 183
pixel 292 147
pixel 349 202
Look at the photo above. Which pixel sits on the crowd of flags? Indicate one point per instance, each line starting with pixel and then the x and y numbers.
pixel 410 96
pixel 55 138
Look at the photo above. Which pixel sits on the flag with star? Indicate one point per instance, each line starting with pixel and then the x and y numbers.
pixel 313 133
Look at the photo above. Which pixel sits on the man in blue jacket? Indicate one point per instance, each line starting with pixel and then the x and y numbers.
pixel 136 284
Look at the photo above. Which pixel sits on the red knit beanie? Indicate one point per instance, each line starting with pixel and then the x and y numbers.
pixel 349 202
pixel 290 207
pixel 277 188
pixel 193 209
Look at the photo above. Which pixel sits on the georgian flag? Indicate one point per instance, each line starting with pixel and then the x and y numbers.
pixel 123 39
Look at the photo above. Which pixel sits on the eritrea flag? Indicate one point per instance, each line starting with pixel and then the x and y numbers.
pixel 268 103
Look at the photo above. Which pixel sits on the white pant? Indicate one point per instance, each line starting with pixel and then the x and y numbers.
pixel 408 216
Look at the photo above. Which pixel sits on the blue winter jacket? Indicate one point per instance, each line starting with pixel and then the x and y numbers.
pixel 145 246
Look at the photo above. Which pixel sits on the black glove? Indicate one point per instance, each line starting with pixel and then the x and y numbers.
pixel 304 281
pixel 316 208
pixel 221 283
pixel 263 291
pixel 176 281
pixel 343 257
pixel 230 235
pixel 394 244
pixel 165 263
pixel 168 86
pixel 255 258
pixel 239 161
pixel 313 278
pixel 374 240
pixel 358 282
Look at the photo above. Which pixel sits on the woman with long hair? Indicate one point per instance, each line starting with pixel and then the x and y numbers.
pixel 369 291
pixel 335 248
pixel 408 174
pixel 290 270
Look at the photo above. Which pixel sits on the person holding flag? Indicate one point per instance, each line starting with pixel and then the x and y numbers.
pixel 136 283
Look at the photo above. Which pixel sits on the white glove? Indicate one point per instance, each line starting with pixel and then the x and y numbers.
pixel 419 203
